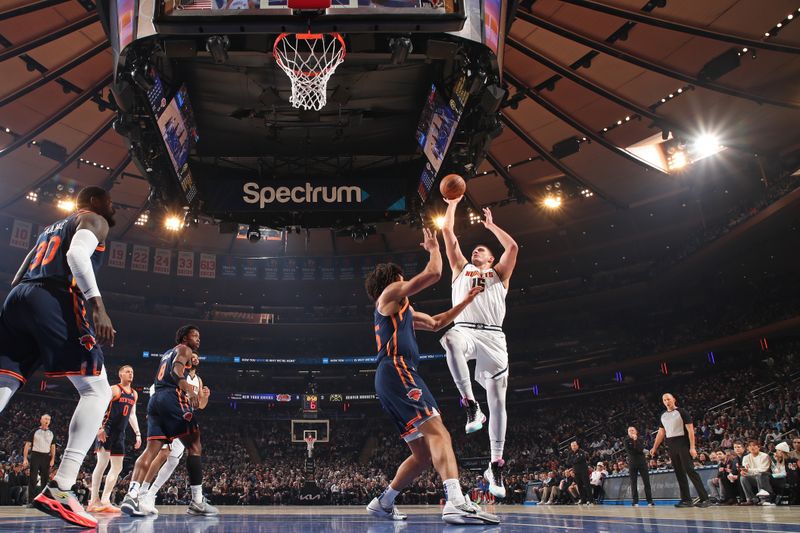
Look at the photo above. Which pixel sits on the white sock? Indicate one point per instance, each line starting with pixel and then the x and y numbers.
pixel 165 472
pixel 95 394
pixel 387 498
pixel 452 490
pixel 97 475
pixel 111 478
pixel 133 489
pixel 145 487
pixel 455 348
pixel 498 419
pixel 197 493
pixel 8 386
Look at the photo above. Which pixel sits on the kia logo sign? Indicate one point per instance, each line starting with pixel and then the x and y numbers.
pixel 301 194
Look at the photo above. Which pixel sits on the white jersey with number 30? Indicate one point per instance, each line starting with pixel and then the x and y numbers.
pixel 489 307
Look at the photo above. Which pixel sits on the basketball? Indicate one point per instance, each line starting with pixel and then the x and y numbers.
pixel 452 186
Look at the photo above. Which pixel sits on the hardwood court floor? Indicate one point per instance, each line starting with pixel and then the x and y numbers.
pixel 425 519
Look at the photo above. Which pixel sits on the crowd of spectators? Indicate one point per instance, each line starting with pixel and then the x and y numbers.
pixel 249 460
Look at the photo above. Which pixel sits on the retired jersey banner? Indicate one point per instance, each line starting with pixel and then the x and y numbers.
pixel 309 269
pixel 289 270
pixel 21 234
pixel 186 264
pixel 162 261
pixel 140 260
pixel 327 269
pixel 346 269
pixel 116 254
pixel 208 266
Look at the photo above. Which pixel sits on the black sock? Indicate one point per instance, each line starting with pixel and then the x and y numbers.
pixel 195 468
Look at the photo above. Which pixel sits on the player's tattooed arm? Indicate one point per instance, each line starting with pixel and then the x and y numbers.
pixel 425 322
pixel 452 247
pixel 179 370
pixel 504 267
pixel 23 267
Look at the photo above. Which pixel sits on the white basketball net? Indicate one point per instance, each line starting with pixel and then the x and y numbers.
pixel 310 444
pixel 309 59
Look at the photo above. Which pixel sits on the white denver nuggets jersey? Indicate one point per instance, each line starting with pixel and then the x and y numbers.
pixel 194 382
pixel 489 307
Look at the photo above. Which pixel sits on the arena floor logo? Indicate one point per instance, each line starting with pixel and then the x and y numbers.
pixel 307 194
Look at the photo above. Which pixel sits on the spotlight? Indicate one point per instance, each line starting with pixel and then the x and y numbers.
pixel 706 145
pixel 67 204
pixel 401 47
pixel 551 201
pixel 173 223
pixel 677 160
pixel 438 221
pixel 144 217
pixel 253 233
pixel 33 196
pixel 217 46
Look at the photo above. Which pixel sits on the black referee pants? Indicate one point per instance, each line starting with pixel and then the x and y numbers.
pixel 684 467
pixel 40 467
pixel 638 467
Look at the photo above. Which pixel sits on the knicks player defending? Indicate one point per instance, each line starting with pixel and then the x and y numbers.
pixel 478 334
pixel 110 446
pixel 43 323
pixel 167 460
pixel 403 393
pixel 170 416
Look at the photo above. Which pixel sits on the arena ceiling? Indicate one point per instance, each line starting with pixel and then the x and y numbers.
pixel 612 72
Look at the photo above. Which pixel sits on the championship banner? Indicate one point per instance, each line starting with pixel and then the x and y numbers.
pixel 186 264
pixel 208 266
pixel 162 261
pixel 289 270
pixel 346 270
pixel 327 269
pixel 309 269
pixel 21 234
pixel 228 266
pixel 271 269
pixel 141 258
pixel 249 268
pixel 116 254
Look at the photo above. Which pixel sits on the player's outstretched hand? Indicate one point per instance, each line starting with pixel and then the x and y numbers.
pixel 101 435
pixel 473 292
pixel 194 399
pixel 454 201
pixel 430 243
pixel 487 222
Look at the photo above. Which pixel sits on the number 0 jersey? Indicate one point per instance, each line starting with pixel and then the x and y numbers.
pixel 49 262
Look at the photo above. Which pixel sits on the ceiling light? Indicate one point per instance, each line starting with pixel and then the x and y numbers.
pixel 706 145
pixel 143 219
pixel 66 204
pixel 677 160
pixel 438 221
pixel 552 201
pixel 173 223
pixel 33 196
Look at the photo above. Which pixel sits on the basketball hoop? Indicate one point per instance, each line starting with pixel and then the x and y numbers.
pixel 310 440
pixel 309 59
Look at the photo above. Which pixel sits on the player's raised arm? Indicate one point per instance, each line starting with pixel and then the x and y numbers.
pixel 432 272
pixel 426 322
pixel 451 246
pixel 504 267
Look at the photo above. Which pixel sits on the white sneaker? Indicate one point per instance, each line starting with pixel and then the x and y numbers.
pixel 475 417
pixel 767 504
pixel 131 506
pixel 494 475
pixel 762 492
pixel 202 509
pixel 379 511
pixel 467 513
pixel 147 504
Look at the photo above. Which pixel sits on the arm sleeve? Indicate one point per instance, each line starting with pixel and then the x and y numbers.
pixel 79 259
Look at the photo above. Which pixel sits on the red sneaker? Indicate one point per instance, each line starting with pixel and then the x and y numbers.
pixel 63 504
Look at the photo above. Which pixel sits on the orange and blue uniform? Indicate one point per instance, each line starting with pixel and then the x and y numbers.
pixel 399 387
pixel 115 421
pixel 169 414
pixel 43 320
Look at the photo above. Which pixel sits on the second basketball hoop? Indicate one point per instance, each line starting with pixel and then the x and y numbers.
pixel 309 59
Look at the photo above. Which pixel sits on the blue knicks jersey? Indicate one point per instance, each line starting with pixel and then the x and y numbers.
pixel 119 410
pixel 164 380
pixel 50 259
pixel 395 334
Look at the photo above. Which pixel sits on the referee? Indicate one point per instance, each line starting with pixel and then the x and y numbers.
pixel 677 427
pixel 42 447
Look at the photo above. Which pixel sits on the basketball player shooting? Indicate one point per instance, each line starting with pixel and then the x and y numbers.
pixel 43 323
pixel 110 446
pixel 403 393
pixel 478 334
